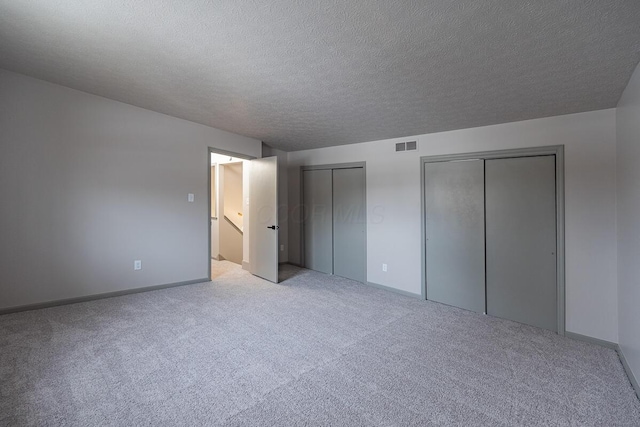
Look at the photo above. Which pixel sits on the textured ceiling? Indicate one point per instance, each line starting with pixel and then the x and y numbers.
pixel 302 74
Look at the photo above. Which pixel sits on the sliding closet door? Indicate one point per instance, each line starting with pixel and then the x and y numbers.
pixel 521 240
pixel 318 218
pixel 349 226
pixel 454 199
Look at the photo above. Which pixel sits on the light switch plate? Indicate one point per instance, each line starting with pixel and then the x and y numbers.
pixel 191 197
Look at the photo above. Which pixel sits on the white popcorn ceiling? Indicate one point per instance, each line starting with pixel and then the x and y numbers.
pixel 303 74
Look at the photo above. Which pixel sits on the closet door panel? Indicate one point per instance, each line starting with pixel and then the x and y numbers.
pixel 454 199
pixel 521 240
pixel 318 217
pixel 349 228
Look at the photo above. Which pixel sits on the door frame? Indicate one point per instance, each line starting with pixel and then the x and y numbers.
pixel 212 150
pixel 331 166
pixel 555 150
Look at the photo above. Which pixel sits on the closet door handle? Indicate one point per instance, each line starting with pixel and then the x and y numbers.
pixel 273 227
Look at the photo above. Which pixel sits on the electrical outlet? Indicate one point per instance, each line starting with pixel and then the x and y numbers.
pixel 137 265
pixel 384 267
pixel 281 248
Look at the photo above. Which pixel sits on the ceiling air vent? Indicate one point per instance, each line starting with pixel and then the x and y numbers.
pixel 400 146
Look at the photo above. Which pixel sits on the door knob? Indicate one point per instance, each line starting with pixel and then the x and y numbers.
pixel 273 227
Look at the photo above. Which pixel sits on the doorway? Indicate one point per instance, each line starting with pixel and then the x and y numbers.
pixel 243 233
pixel 493 233
pixel 227 189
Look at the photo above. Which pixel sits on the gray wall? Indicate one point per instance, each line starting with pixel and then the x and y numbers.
pixel 628 192
pixel 87 185
pixel 393 205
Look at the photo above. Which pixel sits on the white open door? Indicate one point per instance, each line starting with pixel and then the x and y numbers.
pixel 263 218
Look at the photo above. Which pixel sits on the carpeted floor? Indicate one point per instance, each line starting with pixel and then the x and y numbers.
pixel 312 350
